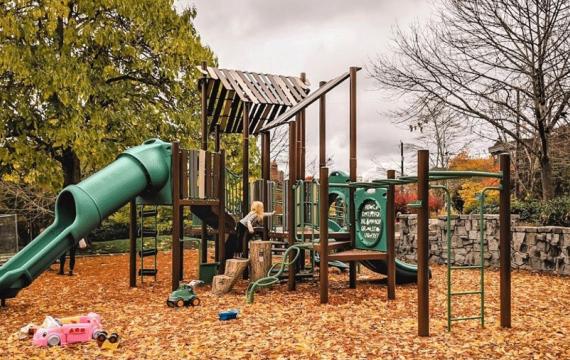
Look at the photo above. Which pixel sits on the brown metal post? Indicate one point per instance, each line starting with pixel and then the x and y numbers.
pixel 352 175
pixel 291 205
pixel 505 240
pixel 322 128
pixel 423 243
pixel 302 134
pixel 204 108
pixel 176 248
pixel 222 209
pixel 324 237
pixel 245 165
pixel 391 238
pixel 218 136
pixel 265 155
pixel 183 193
pixel 298 145
pixel 204 146
pixel 217 148
pixel 133 244
pixel 265 174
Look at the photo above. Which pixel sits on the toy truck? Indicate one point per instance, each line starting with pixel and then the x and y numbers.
pixel 184 295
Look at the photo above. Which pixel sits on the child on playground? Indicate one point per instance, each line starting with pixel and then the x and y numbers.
pixel 245 227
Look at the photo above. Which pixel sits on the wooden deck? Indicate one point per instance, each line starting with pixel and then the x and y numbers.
pixel 358 255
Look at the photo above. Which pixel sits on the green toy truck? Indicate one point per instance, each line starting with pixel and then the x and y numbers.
pixel 184 295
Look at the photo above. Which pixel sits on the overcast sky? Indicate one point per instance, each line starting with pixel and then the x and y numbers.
pixel 322 38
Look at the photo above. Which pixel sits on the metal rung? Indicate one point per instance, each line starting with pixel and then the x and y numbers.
pixel 148 272
pixel 467 293
pixel 466 318
pixel 147 213
pixel 466 267
pixel 148 233
pixel 148 252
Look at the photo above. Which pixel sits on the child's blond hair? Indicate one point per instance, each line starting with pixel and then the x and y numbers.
pixel 257 207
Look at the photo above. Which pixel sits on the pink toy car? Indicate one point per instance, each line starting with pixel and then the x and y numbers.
pixel 53 332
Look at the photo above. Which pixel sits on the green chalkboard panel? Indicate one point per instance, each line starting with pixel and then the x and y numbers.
pixel 370 223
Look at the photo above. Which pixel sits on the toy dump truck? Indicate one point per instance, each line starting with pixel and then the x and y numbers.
pixel 184 295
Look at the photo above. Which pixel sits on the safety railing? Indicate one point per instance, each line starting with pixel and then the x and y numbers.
pixel 234 191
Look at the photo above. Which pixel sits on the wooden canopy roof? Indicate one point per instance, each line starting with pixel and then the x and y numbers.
pixel 268 97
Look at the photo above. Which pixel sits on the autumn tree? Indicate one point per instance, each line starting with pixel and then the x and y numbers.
pixel 82 80
pixel 477 56
pixel 470 189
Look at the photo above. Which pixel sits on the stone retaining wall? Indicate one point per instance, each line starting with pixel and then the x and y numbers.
pixel 544 248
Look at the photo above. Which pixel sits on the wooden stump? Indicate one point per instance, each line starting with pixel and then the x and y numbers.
pixel 259 259
pixel 222 284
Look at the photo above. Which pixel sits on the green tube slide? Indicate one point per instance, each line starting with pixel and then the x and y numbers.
pixel 142 170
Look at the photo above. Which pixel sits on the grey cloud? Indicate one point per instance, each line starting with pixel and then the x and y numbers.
pixel 322 38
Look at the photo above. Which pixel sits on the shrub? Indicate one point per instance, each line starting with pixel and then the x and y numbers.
pixel 403 198
pixel 555 212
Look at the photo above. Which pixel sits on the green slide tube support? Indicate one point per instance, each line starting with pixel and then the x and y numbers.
pixel 141 170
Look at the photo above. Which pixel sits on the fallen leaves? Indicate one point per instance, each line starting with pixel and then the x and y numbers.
pixel 357 324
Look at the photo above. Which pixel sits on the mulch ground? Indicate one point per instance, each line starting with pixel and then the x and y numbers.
pixel 359 324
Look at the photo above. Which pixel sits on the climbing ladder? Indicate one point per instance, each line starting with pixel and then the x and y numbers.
pixel 480 266
pixel 148 237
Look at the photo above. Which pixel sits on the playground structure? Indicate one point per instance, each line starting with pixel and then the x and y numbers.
pixel 158 173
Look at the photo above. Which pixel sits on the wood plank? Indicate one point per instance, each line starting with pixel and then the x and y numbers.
pixel 301 90
pixel 282 96
pixel 357 255
pixel 218 109
pixel 184 173
pixel 214 95
pixel 274 113
pixel 264 88
pixel 212 73
pixel 232 118
pixel 251 86
pixel 199 202
pixel 255 117
pixel 208 175
pixel 285 90
pixel 222 78
pixel 225 114
pixel 268 109
pixel 244 86
pixel 304 85
pixel 272 88
pixel 236 128
pixel 296 94
pixel 242 95
pixel 202 71
pixel 333 245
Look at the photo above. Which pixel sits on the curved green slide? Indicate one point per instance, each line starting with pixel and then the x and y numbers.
pixel 142 170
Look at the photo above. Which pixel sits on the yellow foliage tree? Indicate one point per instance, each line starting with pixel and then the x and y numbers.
pixel 469 189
